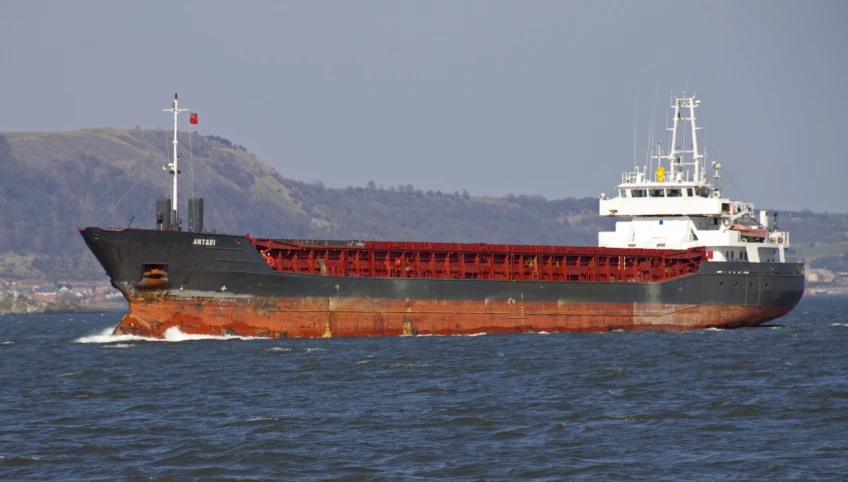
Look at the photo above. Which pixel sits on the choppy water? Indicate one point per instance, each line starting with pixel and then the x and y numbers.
pixel 753 404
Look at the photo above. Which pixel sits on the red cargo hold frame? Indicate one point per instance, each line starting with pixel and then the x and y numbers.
pixel 386 259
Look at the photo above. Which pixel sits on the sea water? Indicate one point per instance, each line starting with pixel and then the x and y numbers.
pixel 754 404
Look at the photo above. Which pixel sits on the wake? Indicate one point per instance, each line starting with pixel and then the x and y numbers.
pixel 172 335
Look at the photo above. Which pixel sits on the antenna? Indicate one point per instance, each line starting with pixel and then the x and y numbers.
pixel 649 162
pixel 173 167
pixel 716 177
pixel 635 118
pixel 704 159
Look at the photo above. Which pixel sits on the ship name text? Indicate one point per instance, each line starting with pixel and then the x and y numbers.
pixel 204 242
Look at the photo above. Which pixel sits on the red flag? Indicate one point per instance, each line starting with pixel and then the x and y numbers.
pixel 192 117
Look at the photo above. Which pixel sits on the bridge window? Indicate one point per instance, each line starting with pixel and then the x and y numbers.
pixel 656 192
pixel 689 192
pixel 622 192
pixel 637 193
pixel 674 193
pixel 702 192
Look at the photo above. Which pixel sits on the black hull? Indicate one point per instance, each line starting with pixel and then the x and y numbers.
pixel 233 271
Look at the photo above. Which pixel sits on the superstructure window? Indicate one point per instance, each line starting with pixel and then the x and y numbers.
pixel 674 193
pixel 637 193
pixel 656 192
pixel 689 192
pixel 702 192
pixel 622 192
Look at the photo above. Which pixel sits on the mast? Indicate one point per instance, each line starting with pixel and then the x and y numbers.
pixel 173 167
pixel 696 155
pixel 673 151
pixel 676 154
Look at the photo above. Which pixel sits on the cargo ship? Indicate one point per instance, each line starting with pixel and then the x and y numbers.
pixel 682 256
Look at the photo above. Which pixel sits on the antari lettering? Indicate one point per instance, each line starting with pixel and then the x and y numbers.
pixel 204 242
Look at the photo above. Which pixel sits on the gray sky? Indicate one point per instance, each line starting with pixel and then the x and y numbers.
pixel 524 97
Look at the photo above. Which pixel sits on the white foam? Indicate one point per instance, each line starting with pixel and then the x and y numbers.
pixel 106 336
pixel 260 419
pixel 310 350
pixel 409 365
pixel 8 343
pixel 543 333
pixel 120 345
pixel 712 329
pixel 172 334
pixel 276 348
pixel 441 335
pixel 839 324
pixel 361 362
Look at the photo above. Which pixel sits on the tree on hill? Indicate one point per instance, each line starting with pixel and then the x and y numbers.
pixel 53 182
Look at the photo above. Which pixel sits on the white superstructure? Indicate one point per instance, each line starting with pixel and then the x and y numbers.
pixel 674 206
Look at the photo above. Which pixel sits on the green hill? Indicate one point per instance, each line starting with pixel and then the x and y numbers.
pixel 53 182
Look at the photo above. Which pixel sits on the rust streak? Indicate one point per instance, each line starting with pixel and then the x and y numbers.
pixel 314 318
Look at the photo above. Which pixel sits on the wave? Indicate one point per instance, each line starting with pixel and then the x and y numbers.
pixel 261 419
pixel 106 336
pixel 172 334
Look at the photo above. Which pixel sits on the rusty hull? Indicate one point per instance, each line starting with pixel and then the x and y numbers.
pixel 339 317
pixel 223 284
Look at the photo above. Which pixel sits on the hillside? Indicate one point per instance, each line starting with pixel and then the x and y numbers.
pixel 53 182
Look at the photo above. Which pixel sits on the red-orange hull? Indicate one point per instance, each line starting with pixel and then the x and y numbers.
pixel 220 284
pixel 313 318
